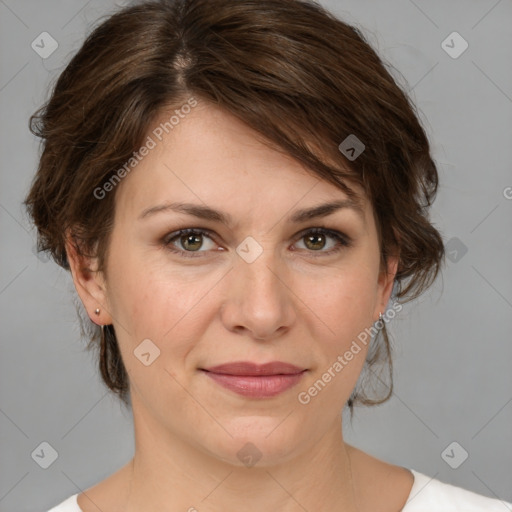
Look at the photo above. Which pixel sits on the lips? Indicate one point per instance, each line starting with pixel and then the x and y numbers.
pixel 254 380
pixel 253 369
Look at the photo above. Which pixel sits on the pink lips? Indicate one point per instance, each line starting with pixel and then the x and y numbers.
pixel 256 381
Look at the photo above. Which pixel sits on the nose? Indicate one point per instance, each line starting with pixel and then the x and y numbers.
pixel 258 300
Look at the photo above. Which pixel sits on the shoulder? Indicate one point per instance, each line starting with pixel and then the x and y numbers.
pixel 68 505
pixel 429 494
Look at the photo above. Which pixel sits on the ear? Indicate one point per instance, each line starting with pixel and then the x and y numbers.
pixel 89 283
pixel 385 284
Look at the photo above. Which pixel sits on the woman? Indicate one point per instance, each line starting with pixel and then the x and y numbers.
pixel 240 191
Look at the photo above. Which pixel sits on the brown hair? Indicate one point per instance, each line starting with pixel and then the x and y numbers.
pixel 289 69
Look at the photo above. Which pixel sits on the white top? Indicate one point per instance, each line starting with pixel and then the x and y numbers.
pixel 427 495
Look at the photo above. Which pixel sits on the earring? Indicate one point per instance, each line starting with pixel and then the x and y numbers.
pixel 97 311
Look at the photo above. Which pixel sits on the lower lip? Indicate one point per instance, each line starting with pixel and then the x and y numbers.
pixel 263 386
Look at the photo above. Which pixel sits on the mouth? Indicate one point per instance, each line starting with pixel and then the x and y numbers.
pixel 256 381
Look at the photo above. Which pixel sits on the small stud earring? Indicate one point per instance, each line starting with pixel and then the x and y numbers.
pixel 97 311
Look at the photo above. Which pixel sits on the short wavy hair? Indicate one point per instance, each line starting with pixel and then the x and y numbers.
pixel 292 71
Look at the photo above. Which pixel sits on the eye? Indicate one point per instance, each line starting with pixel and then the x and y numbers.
pixel 192 240
pixel 315 240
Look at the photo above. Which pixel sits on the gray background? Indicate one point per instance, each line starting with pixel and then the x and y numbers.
pixel 452 347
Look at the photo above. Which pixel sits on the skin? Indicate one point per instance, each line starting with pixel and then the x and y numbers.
pixel 294 303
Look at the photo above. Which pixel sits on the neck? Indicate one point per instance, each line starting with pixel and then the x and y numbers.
pixel 170 473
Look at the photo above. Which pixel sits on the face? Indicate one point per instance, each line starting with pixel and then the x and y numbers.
pixel 258 286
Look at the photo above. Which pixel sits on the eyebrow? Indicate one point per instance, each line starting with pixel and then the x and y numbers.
pixel 207 213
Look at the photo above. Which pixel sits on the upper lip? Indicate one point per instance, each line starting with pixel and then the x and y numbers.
pixel 252 369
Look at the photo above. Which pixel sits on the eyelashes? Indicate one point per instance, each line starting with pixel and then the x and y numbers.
pixel 196 236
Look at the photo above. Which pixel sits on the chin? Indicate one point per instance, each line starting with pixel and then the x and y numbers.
pixel 258 441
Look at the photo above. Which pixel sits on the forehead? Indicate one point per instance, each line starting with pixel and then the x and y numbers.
pixel 209 156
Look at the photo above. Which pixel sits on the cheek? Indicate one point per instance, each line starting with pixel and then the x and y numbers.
pixel 150 307
pixel 156 301
pixel 342 302
pixel 340 311
pixel 151 303
pixel 341 315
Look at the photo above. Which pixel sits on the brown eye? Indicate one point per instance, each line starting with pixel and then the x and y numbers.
pixel 317 239
pixel 191 242
pixel 188 241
